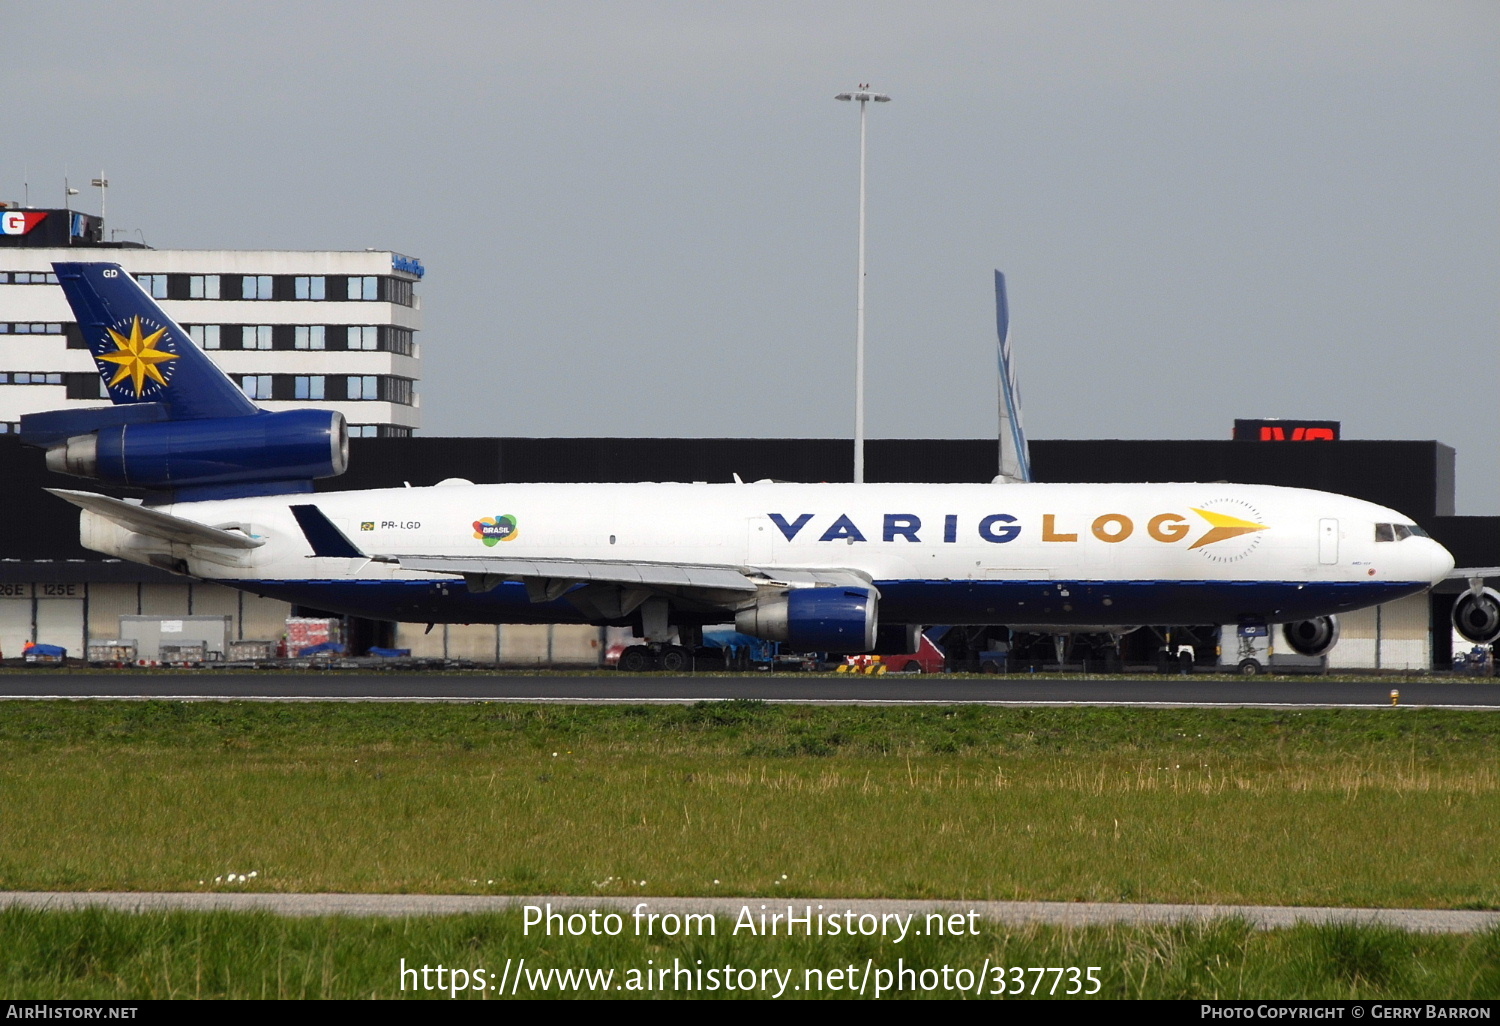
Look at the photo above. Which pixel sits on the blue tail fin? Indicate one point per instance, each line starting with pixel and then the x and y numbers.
pixel 142 354
pixel 1015 454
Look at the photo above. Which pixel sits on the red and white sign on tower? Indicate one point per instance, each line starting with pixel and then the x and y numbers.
pixel 19 222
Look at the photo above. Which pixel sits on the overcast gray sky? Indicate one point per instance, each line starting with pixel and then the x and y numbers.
pixel 639 218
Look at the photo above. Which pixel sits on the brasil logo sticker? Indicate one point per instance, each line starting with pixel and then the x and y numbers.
pixel 493 530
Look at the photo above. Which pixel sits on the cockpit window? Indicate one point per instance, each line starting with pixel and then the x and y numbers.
pixel 1385 532
pixel 1417 532
pixel 1398 532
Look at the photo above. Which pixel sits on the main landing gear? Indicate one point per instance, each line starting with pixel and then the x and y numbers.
pixel 640 658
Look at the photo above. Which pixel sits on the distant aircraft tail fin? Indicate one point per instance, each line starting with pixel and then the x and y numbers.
pixel 141 353
pixel 1015 453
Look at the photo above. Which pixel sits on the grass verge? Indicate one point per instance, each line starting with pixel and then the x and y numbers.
pixel 1320 807
pixel 101 955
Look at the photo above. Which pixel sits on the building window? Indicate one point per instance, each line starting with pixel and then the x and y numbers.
pixel 398 390
pixel 256 286
pixel 364 336
pixel 255 336
pixel 400 291
pixel 203 286
pixel 33 278
pixel 365 386
pixel 83 385
pixel 206 335
pixel 366 288
pixel 154 284
pixel 256 386
pixel 31 378
pixel 309 336
pixel 32 329
pixel 364 431
pixel 400 340
pixel 308 386
pixel 312 287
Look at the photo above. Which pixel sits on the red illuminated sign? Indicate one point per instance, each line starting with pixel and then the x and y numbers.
pixel 1286 431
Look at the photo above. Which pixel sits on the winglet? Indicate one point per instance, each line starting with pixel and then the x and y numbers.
pixel 323 536
pixel 1015 454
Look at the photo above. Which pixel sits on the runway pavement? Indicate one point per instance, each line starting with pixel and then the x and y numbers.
pixel 1470 693
pixel 1008 913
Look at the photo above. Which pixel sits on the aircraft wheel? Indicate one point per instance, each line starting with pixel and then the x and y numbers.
pixel 675 660
pixel 989 666
pixel 1249 667
pixel 912 666
pixel 635 659
pixel 1185 663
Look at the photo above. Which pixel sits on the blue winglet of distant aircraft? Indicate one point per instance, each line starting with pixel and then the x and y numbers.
pixel 1015 454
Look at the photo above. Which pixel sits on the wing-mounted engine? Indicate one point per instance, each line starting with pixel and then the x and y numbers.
pixel 838 619
pixel 1315 637
pixel 1476 616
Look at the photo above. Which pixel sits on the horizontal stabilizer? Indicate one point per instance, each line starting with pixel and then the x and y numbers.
pixel 647 574
pixel 323 536
pixel 156 524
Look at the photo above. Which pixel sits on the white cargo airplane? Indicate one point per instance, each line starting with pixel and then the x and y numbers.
pixel 823 567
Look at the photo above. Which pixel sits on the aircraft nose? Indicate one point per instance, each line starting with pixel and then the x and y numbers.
pixel 1440 562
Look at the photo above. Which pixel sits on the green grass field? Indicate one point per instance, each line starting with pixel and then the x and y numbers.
pixel 1368 807
pixel 97 954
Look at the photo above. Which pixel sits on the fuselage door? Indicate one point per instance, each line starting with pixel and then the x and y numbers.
pixel 1328 541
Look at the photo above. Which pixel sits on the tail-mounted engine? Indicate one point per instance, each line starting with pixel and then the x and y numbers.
pixel 1476 616
pixel 1315 637
pixel 814 619
pixel 295 445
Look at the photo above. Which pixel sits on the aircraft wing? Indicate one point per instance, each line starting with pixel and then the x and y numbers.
pixel 156 524
pixel 1475 575
pixel 719 578
pixel 640 574
pixel 547 578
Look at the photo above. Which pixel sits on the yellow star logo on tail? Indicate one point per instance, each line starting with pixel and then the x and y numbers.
pixel 137 357
pixel 1222 525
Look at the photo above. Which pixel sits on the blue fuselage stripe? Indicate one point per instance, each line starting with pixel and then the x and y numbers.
pixel 1082 603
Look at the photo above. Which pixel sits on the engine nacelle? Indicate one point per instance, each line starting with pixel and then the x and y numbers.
pixel 1476 616
pixel 295 445
pixel 1315 637
pixel 814 619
